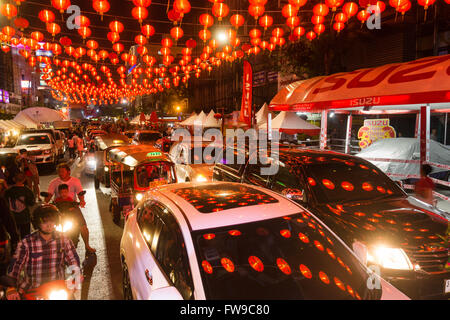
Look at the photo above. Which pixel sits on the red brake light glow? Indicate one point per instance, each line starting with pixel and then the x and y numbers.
pixel 303 237
pixel 209 236
pixel 285 233
pixel 234 233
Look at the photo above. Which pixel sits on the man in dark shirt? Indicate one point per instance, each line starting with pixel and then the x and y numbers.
pixel 20 198
pixel 7 226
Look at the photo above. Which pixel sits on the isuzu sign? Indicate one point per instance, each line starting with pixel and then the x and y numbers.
pixel 246 105
pixel 421 81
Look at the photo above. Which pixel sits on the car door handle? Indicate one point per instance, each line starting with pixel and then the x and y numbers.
pixel 149 277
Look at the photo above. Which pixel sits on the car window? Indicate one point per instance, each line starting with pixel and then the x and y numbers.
pixel 172 256
pixel 253 175
pixel 26 140
pixel 147 221
pixel 284 179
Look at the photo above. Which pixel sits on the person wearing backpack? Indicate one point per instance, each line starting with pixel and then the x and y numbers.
pixel 20 199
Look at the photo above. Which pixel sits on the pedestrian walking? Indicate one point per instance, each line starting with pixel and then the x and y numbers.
pixel 80 147
pixel 20 198
pixel 71 144
pixel 29 168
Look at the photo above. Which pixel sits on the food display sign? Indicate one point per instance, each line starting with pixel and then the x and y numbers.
pixel 373 130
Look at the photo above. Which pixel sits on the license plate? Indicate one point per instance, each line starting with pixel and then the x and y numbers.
pixel 447 286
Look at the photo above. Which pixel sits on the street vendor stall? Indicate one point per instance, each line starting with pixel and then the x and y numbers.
pixel 421 86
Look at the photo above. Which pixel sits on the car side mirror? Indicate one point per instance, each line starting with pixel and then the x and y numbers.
pixel 293 194
pixel 166 293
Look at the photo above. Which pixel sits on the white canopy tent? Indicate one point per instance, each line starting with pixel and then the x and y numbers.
pixel 190 120
pixel 290 123
pixel 211 121
pixel 41 115
pixel 200 119
pixel 25 120
pixel 7 125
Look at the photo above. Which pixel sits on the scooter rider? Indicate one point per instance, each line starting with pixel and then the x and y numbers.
pixel 75 190
pixel 42 255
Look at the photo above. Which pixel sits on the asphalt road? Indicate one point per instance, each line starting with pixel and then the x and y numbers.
pixel 106 280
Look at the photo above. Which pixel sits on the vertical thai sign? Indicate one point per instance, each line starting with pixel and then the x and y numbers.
pixel 246 105
pixel 323 130
pixel 348 137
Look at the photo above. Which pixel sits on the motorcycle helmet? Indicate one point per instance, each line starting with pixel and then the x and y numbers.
pixel 43 212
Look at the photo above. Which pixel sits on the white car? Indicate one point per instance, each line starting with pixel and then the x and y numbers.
pixel 41 147
pixel 90 164
pixel 193 161
pixel 223 240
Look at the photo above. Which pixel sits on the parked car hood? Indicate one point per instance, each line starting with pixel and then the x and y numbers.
pixel 394 222
pixel 32 147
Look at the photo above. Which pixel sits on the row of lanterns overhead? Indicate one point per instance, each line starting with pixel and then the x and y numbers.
pixel 84 82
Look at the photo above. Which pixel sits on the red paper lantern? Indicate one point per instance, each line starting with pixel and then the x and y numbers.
pixel 116 26
pixel 53 28
pixel 38 36
pixel 255 33
pixel 256 11
pixel 338 26
pixel 21 23
pixel 140 39
pixel 139 13
pixel 9 31
pixel 237 20
pixel 397 3
pixel 65 41
pixel 148 30
pixel 92 44
pixel 166 42
pixel 425 3
pixel 298 3
pixel 191 43
pixel 61 5
pixel 363 15
pixel 113 36
pixel 46 16
pixel 101 7
pixel 258 2
pixel 298 32
pixel 265 21
pixel 142 3
pixel 289 11
pixel 84 32
pixel 277 32
pixel 8 10
pixel 341 17
pixel 173 16
pixel 403 9
pixel 118 47
pixel 220 10
pixel 320 9
pixel 206 20
pixel 182 7
pixel 311 35
pixel 204 35
pixel 293 22
pixel 176 33
pixel 333 4
pixel 350 9
pixel 317 19
pixel 319 28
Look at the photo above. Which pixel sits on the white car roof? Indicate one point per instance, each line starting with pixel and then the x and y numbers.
pixel 238 203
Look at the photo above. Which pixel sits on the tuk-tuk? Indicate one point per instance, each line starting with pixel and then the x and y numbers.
pixel 104 143
pixel 136 169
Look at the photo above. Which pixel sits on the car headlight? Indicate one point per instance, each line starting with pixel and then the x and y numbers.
pixel 58 295
pixel 106 169
pixel 389 258
pixel 139 196
pixel 200 178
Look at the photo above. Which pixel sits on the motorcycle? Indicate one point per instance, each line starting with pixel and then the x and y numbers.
pixel 68 226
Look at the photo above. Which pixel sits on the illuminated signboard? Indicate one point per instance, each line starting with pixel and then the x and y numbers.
pixel 373 130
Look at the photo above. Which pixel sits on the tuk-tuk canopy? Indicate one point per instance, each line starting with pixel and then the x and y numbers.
pixel 133 155
pixel 109 140
pixel 419 82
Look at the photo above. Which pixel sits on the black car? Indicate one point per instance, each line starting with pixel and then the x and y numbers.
pixel 386 228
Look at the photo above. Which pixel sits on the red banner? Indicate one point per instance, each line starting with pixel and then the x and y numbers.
pixel 246 105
